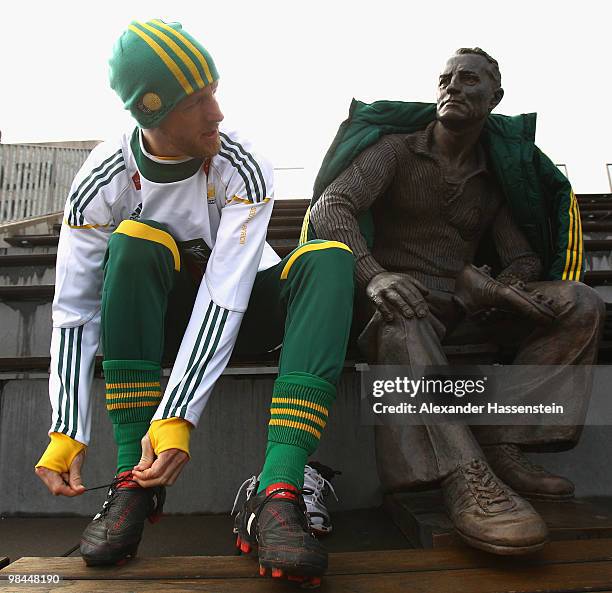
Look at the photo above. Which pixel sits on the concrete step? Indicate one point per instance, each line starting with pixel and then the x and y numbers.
pixel 39 293
pixel 289 204
pixel 592 245
pixel 597 226
pixel 603 205
pixel 292 220
pixel 598 278
pixel 30 250
pixel 593 198
pixel 32 240
pixel 595 215
pixel 27 275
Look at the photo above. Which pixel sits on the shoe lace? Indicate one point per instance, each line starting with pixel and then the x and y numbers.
pixel 113 487
pixel 484 483
pixel 316 487
pixel 517 455
pixel 251 485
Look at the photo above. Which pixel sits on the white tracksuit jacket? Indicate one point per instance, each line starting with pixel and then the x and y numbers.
pixel 229 209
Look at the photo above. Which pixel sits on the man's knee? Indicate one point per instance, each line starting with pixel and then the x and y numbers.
pixel 141 247
pixel 330 263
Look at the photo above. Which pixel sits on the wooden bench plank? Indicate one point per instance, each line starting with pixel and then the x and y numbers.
pixel 568 578
pixel 345 563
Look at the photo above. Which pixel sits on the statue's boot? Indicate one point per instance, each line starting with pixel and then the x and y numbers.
pixel 476 292
pixel 528 479
pixel 490 516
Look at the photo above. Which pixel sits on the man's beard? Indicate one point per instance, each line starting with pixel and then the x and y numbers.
pixel 205 149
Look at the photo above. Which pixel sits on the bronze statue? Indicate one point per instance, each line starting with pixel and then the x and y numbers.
pixel 433 198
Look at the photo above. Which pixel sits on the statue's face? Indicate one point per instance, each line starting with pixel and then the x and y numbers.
pixel 466 91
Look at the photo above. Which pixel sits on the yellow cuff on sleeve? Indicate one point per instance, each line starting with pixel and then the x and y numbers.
pixel 60 453
pixel 170 433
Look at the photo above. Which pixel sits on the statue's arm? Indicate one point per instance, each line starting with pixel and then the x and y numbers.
pixel 335 215
pixel 519 260
pixel 568 259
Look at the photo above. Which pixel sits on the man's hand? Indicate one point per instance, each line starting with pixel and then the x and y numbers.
pixel 66 483
pixel 160 471
pixel 397 293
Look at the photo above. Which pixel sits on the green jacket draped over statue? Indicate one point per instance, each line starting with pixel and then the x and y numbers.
pixel 540 197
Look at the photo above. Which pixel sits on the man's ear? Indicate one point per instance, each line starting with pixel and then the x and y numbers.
pixel 497 97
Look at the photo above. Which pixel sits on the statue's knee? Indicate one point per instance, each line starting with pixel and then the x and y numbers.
pixel 588 307
pixel 592 303
pixel 401 331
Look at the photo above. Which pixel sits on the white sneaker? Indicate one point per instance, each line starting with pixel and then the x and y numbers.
pixel 317 487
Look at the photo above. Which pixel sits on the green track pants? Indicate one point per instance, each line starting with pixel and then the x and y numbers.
pixel 304 302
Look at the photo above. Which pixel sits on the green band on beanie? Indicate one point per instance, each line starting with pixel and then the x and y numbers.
pixel 154 65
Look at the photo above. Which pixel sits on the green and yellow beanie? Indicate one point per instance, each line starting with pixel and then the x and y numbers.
pixel 154 65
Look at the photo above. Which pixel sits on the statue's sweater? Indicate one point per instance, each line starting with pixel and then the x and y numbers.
pixel 539 197
pixel 426 223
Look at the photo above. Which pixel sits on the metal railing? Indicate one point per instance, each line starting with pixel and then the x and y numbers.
pixel 35 180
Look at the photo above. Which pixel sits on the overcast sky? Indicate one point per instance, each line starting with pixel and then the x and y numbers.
pixel 289 69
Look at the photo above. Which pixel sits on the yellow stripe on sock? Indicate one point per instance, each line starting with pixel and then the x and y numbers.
pixel 124 385
pixel 139 230
pixel 196 52
pixel 300 414
pixel 134 394
pixel 166 59
pixel 178 51
pixel 145 404
pixel 298 425
pixel 300 402
pixel 310 247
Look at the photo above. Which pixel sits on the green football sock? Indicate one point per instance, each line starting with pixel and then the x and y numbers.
pixel 133 393
pixel 299 411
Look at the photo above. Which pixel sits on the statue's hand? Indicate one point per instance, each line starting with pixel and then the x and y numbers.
pixel 397 293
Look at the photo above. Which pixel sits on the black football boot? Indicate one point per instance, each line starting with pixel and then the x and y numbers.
pixel 276 524
pixel 115 532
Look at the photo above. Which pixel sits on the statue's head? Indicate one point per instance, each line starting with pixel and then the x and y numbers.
pixel 469 88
